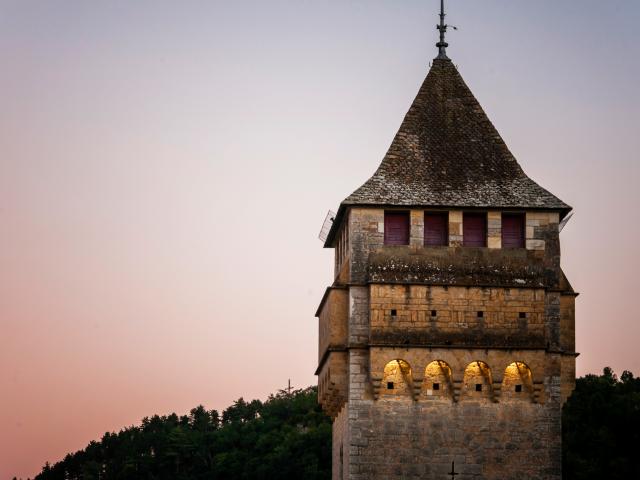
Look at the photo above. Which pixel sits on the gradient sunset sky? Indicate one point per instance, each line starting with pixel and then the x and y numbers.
pixel 165 168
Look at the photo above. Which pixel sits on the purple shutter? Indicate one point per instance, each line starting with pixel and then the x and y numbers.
pixel 396 228
pixel 474 230
pixel 512 230
pixel 435 229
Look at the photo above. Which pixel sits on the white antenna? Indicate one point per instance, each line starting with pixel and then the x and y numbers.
pixel 326 226
pixel 564 222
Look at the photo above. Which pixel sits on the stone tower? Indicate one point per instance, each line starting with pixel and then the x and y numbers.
pixel 447 337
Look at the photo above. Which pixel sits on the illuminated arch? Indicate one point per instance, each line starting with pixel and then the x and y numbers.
pixel 437 379
pixel 517 382
pixel 396 380
pixel 477 380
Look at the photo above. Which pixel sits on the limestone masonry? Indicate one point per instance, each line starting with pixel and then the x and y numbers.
pixel 455 353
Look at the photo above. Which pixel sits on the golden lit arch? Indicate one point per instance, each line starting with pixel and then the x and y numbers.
pixel 477 380
pixel 517 382
pixel 437 379
pixel 396 379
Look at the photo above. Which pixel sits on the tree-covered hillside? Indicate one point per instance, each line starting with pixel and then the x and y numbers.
pixel 288 437
pixel 285 437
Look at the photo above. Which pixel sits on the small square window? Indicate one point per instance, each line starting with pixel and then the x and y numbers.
pixel 389 385
pixel 434 313
pixel 394 312
pixel 480 314
pixel 518 388
pixel 523 314
pixel 436 386
pixel 478 387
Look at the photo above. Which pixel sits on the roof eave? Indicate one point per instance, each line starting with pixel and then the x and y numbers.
pixel 335 226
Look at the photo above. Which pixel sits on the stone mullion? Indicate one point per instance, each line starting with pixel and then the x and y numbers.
pixel 496 387
pixel 494 229
pixel 538 388
pixel 376 382
pixel 455 228
pixel 416 388
pixel 457 381
pixel 416 232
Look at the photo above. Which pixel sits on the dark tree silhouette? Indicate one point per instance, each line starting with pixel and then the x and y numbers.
pixel 601 428
pixel 286 437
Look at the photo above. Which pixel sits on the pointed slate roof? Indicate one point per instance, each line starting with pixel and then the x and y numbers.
pixel 447 153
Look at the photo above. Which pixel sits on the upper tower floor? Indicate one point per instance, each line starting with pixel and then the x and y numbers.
pixel 474 247
pixel 449 203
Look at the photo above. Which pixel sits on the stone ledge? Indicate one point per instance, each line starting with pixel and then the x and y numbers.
pixel 461 266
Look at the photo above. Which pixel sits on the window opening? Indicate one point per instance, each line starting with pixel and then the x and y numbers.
pixel 517 381
pixel 396 228
pixel 513 226
pixel 436 229
pixel 474 229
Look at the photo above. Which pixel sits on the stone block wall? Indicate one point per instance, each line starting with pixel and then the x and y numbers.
pixel 341 249
pixel 436 315
pixel 333 316
pixel 358 316
pixel 568 376
pixel 340 445
pixel 401 439
pixel 416 231
pixel 552 321
pixel 366 234
pixel 455 228
pixel 568 323
pixel 538 227
pixel 333 382
pixel 494 229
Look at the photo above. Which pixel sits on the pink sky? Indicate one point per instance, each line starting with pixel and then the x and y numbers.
pixel 166 167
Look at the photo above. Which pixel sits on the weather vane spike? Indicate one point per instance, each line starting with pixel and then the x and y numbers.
pixel 442 45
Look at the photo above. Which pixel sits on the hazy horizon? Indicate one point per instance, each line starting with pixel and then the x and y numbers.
pixel 166 168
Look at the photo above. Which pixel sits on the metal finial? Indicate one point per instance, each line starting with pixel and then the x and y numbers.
pixel 442 45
